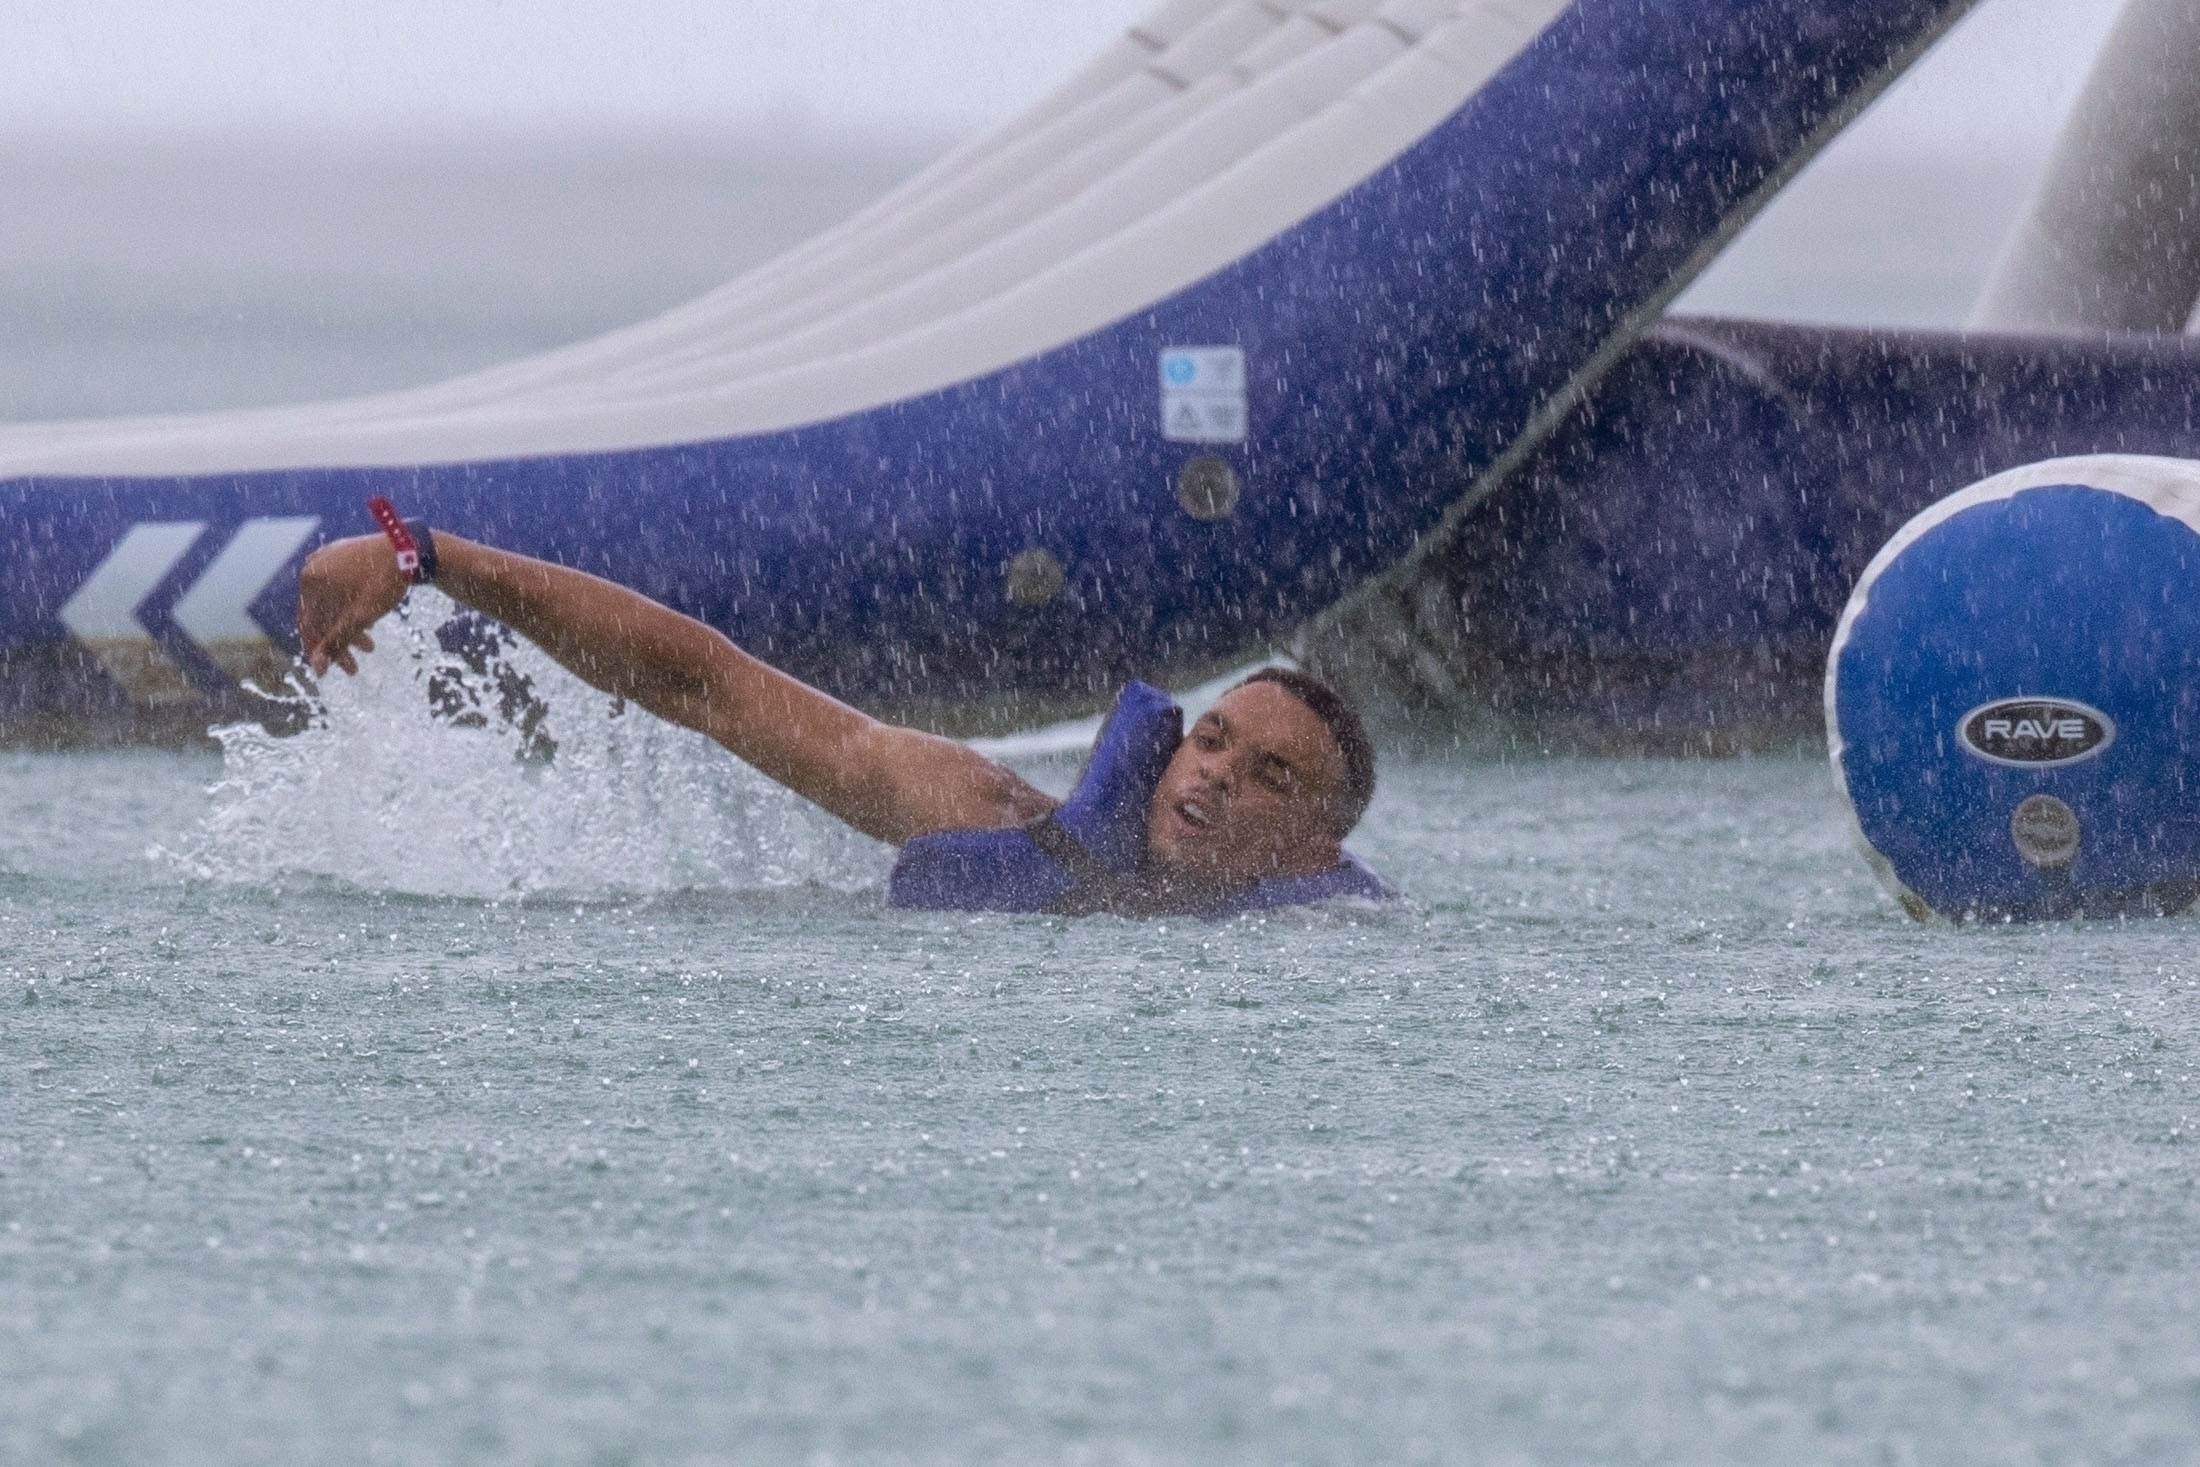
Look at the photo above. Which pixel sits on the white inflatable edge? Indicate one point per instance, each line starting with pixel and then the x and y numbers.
pixel 1044 169
pixel 1186 39
pixel 1191 38
pixel 1130 59
pixel 1047 173
pixel 1199 128
pixel 1276 187
pixel 2168 486
pixel 1150 180
pixel 1129 62
pixel 1209 43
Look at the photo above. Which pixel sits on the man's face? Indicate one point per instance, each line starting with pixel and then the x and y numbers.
pixel 1249 792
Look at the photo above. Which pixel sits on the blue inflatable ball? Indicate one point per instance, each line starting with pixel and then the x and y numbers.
pixel 2013 695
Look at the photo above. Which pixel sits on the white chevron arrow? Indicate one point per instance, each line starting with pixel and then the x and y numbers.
pixel 214 612
pixel 103 612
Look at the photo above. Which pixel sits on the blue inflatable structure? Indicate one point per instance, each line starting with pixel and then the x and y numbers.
pixel 2013 695
pixel 1663 573
pixel 1124 461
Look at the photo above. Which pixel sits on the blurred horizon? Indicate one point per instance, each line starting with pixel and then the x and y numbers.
pixel 204 272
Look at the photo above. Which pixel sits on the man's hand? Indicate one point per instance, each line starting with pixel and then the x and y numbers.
pixel 346 587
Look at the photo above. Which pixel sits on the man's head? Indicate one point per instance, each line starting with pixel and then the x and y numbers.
pixel 1266 783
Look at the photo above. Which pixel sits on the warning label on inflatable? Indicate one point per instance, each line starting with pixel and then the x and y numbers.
pixel 1203 394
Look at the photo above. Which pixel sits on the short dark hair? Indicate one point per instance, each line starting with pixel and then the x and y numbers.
pixel 1345 729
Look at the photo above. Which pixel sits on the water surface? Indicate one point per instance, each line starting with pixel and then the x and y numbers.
pixel 400 1101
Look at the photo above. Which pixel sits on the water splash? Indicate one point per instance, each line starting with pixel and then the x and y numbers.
pixel 384 791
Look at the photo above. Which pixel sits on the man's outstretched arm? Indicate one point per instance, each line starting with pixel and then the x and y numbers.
pixel 889 782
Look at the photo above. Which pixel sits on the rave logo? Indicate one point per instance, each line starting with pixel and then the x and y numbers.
pixel 2035 731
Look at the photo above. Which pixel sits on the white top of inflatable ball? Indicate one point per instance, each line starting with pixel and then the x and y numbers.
pixel 2168 486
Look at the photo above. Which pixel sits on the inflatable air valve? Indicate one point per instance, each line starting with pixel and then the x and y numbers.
pixel 2013 696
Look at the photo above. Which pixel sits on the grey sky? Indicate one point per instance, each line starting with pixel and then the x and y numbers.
pixel 347 64
pixel 955 65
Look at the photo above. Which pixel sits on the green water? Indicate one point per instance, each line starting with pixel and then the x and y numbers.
pixel 598 1113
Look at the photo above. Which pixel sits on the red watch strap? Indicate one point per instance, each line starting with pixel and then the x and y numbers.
pixel 400 538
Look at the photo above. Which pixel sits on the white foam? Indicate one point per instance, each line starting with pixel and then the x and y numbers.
pixel 381 793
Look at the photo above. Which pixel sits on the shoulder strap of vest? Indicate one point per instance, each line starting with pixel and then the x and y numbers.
pixel 1101 888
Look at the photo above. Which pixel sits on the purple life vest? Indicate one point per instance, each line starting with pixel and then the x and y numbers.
pixel 1089 854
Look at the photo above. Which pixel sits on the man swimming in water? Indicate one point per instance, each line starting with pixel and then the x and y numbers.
pixel 1248 810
